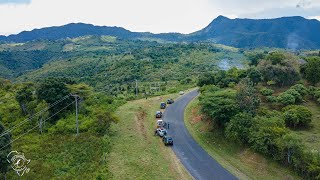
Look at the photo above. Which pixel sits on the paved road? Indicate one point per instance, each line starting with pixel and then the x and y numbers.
pixel 196 160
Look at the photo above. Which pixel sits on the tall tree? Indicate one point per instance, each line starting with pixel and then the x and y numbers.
pixel 312 70
pixel 52 90
pixel 247 98
pixel 24 96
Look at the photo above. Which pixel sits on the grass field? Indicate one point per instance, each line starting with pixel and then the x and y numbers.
pixel 136 153
pixel 240 161
pixel 311 135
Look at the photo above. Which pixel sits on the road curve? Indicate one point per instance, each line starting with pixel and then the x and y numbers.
pixel 196 160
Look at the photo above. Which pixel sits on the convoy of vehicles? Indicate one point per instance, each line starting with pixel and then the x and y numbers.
pixel 162 125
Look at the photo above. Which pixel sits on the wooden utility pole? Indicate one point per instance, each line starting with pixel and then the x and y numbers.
pixel 77 123
pixel 136 87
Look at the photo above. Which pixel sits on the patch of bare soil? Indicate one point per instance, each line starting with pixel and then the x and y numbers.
pixel 140 119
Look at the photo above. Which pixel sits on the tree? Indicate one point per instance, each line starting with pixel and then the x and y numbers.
pixel 254 58
pixel 219 106
pixel 279 70
pixel 264 134
pixel 52 90
pixel 289 146
pixel 239 127
pixel 297 116
pixel 24 96
pixel 312 70
pixel 206 79
pixel 4 151
pixel 254 75
pixel 103 121
pixel 246 96
pixel 276 57
pixel 82 89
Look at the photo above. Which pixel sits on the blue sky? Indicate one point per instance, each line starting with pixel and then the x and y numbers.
pixel 156 16
pixel 15 1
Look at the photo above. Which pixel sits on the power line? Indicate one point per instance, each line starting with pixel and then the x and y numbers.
pixel 36 126
pixel 38 113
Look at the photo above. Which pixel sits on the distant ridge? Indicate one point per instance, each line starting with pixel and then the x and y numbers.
pixel 286 32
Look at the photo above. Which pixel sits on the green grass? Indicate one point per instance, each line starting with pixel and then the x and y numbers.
pixel 240 161
pixel 63 156
pixel 138 154
pixel 311 135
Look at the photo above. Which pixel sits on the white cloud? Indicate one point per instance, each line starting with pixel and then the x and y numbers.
pixel 142 15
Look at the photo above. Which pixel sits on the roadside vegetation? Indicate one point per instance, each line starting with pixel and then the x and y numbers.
pixel 269 108
pixel 49 138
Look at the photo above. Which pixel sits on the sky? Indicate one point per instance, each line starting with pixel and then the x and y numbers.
pixel 157 16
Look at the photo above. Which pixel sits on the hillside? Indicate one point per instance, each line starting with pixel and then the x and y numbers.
pixel 120 62
pixel 287 32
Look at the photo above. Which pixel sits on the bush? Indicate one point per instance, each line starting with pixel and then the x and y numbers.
pixel 220 106
pixel 297 96
pixel 264 133
pixel 300 88
pixel 286 99
pixel 239 127
pixel 266 92
pixel 271 99
pixel 297 116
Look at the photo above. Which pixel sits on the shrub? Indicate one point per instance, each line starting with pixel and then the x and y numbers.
pixel 239 127
pixel 297 116
pixel 220 106
pixel 266 91
pixel 297 96
pixel 300 88
pixel 271 99
pixel 286 99
pixel 264 133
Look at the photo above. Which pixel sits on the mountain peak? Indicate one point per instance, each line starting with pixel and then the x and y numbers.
pixel 221 17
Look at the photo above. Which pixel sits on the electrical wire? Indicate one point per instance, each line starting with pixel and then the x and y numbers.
pixel 37 114
pixel 36 126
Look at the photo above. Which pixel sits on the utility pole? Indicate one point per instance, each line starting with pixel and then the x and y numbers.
pixel 77 123
pixel 136 87
pixel 40 124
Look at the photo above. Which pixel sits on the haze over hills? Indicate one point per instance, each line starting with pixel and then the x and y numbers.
pixel 287 32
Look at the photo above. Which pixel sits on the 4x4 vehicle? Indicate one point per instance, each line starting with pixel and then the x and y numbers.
pixel 167 140
pixel 161 132
pixel 158 114
pixel 161 123
pixel 170 101
pixel 163 105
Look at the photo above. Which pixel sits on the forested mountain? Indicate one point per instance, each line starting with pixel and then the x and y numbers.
pixel 71 30
pixel 288 32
